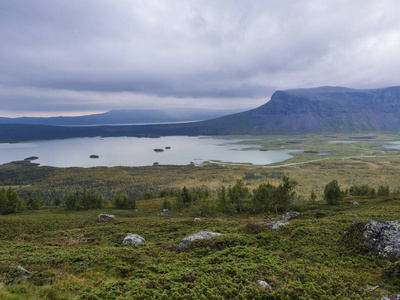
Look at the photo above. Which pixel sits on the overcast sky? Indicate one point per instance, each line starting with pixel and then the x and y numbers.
pixel 63 57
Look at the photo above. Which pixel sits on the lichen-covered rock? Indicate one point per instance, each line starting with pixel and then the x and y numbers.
pixel 105 217
pixel 383 237
pixel 185 242
pixel 274 225
pixel 164 212
pixel 134 240
pixel 290 215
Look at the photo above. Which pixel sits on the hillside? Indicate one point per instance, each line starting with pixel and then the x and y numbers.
pixel 324 109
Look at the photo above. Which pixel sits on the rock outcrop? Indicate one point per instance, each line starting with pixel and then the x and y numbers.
pixel 185 242
pixel 383 237
pixel 134 240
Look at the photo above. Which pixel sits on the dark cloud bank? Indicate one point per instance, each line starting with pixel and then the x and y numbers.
pixel 64 56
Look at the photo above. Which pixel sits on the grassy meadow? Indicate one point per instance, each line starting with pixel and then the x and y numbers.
pixel 71 256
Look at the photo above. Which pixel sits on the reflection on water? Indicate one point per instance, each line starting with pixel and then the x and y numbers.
pixel 132 151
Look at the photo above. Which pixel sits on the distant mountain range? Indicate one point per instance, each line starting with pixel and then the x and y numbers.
pixel 323 109
pixel 125 116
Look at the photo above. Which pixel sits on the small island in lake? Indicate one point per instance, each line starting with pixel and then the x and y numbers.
pixel 158 150
pixel 167 148
pixel 94 156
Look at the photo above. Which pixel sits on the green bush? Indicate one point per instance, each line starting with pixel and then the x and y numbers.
pixel 274 198
pixel 122 201
pixel 332 193
pixel 32 203
pixel 9 201
pixel 384 191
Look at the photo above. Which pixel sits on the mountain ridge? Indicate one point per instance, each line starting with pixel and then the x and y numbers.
pixel 126 116
pixel 323 109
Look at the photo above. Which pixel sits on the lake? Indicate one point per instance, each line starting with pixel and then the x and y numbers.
pixel 132 151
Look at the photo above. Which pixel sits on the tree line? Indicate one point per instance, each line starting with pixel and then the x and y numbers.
pixel 233 199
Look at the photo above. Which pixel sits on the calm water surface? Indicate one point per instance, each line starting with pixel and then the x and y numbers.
pixel 131 151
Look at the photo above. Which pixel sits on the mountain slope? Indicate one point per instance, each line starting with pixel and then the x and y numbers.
pixel 125 116
pixel 324 109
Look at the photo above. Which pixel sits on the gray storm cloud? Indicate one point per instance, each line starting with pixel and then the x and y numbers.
pixel 105 54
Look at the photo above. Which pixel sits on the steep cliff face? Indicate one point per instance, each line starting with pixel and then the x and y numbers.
pixel 324 109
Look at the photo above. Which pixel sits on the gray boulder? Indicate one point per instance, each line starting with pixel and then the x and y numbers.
pixel 164 212
pixel 134 240
pixel 105 217
pixel 290 215
pixel 274 225
pixel 185 242
pixel 263 284
pixel 383 237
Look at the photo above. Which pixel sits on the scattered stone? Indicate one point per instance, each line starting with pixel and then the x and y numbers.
pixel 370 289
pixel 217 269
pixel 264 284
pixel 383 237
pixel 290 215
pixel 164 212
pixel 105 217
pixel 274 225
pixel 24 272
pixel 134 240
pixel 352 202
pixel 185 242
pixel 196 220
pixel 378 206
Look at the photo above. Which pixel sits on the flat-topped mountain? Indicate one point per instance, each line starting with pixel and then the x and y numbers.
pixel 323 109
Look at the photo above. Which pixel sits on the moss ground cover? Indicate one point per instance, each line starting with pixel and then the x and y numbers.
pixel 70 255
